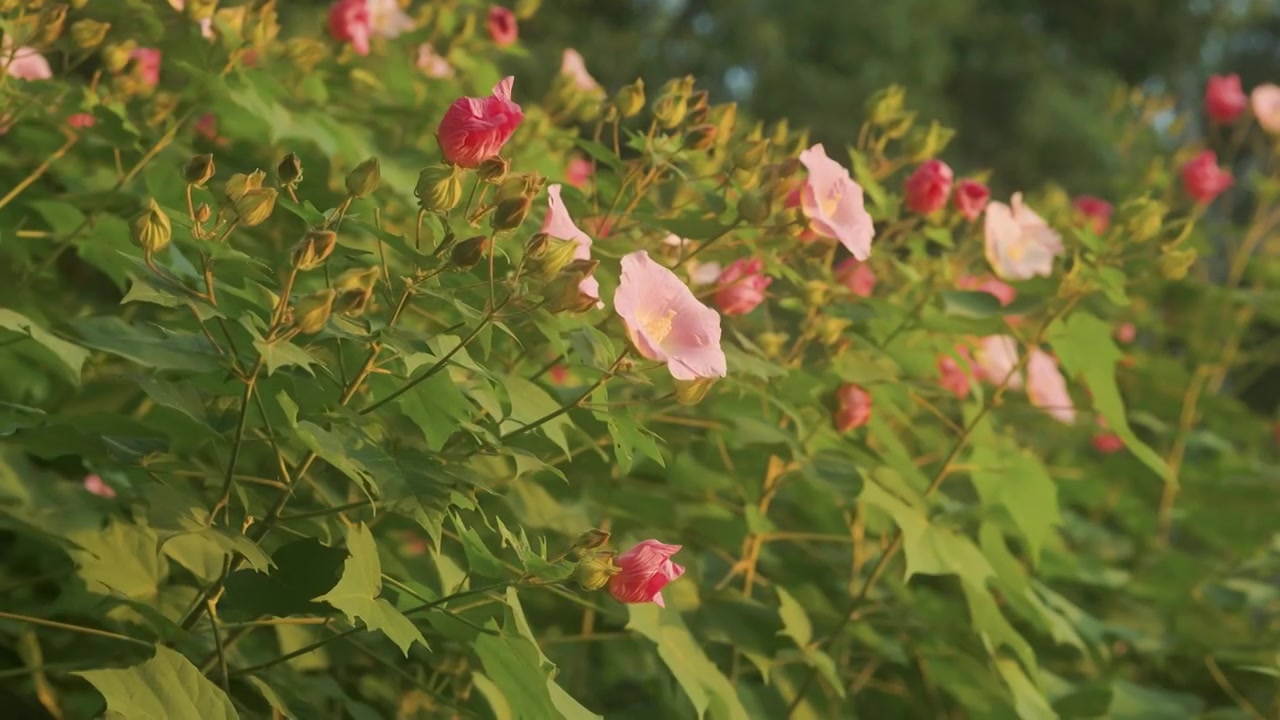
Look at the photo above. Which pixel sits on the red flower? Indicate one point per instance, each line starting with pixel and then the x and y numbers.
pixel 857 276
pixel 1203 179
pixel 475 129
pixel 971 198
pixel 927 189
pixel 1094 211
pixel 740 288
pixel 1107 443
pixel 349 22
pixel 646 569
pixel 147 62
pixel 1224 99
pixel 501 24
pixel 81 120
pixel 954 378
pixel 853 407
pixel 579 171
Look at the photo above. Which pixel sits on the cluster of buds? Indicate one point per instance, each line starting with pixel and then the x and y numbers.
pixel 595 565
pixel 88 34
pixel 246 201
pixel 514 199
pixel 355 290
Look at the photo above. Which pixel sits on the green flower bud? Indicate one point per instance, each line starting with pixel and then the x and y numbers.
pixel 629 100
pixel 239 184
pixel 592 539
pixel 364 178
pixel 439 188
pixel 510 214
pixel 670 110
pixel 725 118
pixel 750 154
pixel 88 34
pixel 755 207
pixel 467 253
pixel 772 343
pixel 886 105
pixel 290 169
pixel 199 10
pixel 563 294
pixel 926 144
pixel 593 572
pixel 1144 218
pixel 525 9
pixel 50 26
pixel 493 170
pixel 691 392
pixel 313 249
pixel 554 255
pixel 255 206
pixel 203 213
pixel 816 292
pixel 150 230
pixel 116 56
pixel 1174 264
pixel 305 53
pixel 198 170
pixel 781 132
pixel 700 137
pixel 831 329
pixel 899 128
pixel 311 313
pixel 355 290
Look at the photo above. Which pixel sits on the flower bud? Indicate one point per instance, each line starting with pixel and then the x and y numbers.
pixel 50 26
pixel 593 572
pixel 1144 218
pixel 750 154
pixel 926 144
pixel 355 290
pixel 305 53
pixel 493 170
pixel 439 188
pixel 150 230
pixel 691 392
pixel 364 178
pixel 468 252
pixel 831 329
pixel 311 312
pixel 116 56
pixel 772 343
pixel 700 137
pixel 88 34
pixel 629 100
pixel 239 183
pixel 886 105
pixel 563 294
pixel 203 213
pixel 255 206
pixel 815 293
pixel 670 110
pixel 699 104
pixel 554 255
pixel 754 207
pixel 592 539
pixel 1175 263
pixel 525 9
pixel 899 128
pixel 290 169
pixel 313 249
pixel 198 10
pixel 161 108
pixel 510 214
pixel 725 118
pixel 198 170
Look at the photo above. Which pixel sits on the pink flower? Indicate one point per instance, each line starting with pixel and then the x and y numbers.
pixel 1004 292
pixel 81 121
pixel 578 171
pixel 741 286
pixel 1047 389
pixel 1224 99
pixel 1126 333
pixel 475 129
pixel 95 485
pixel 207 126
pixel 560 226
pixel 927 189
pixel 1094 212
pixel 954 378
pixel 1203 180
pixel 386 19
pixel 26 63
pixel 559 374
pixel 853 407
pixel 148 65
pixel 1019 243
pixel 971 198
pixel 349 21
pixel 1266 107
pixel 996 357
pixel 433 64
pixel 501 24
pixel 666 322
pixel 832 202
pixel 646 569
pixel 1107 443
pixel 857 276
pixel 572 64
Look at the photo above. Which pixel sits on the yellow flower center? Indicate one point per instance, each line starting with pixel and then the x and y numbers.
pixel 657 327
pixel 832 201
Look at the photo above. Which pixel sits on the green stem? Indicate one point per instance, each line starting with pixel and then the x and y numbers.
pixel 73 628
pixel 604 377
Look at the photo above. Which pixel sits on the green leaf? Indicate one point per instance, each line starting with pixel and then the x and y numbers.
pixel 303 569
pixel 437 406
pixel 1084 346
pixel 930 549
pixel 356 594
pixel 630 437
pixel 1028 701
pixel 795 622
pixel 971 303
pixel 837 470
pixel 152 347
pixel 71 356
pixel 166 686
pixel 592 348
pixel 514 666
pixel 1007 475
pixel 711 693
pixel 599 152
pixel 282 353
pixel 529 403
pixel 693 228
pixel 331 448
pixel 121 558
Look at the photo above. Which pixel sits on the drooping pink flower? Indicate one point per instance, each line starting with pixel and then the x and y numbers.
pixel 740 288
pixel 148 64
pixel 1126 333
pixel 386 19
pixel 559 225
pixel 578 171
pixel 833 203
pixel 1047 388
pixel 1203 180
pixel 1004 292
pixel 502 27
pixel 1265 100
pixel 433 64
pixel 81 121
pixel 26 64
pixel 952 376
pixel 666 322
pixel 646 570
pixel 995 358
pixel 1094 212
pixel 96 485
pixel 928 187
pixel 853 407
pixel 1224 99
pixel 971 198
pixel 350 22
pixel 857 276
pixel 572 64
pixel 475 129
pixel 1019 243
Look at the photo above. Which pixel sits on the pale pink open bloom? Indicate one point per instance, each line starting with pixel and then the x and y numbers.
pixel 857 276
pixel 1019 243
pixel 1004 292
pixel 572 64
pixel 475 129
pixel 578 171
pixel 646 569
pixel 1203 180
pixel 386 19
pixel 833 203
pixel 560 226
pixel 148 64
pixel 502 26
pixel 432 63
pixel 740 288
pixel 853 407
pixel 96 485
pixel 995 357
pixel 26 64
pixel 350 22
pixel 1265 100
pixel 1047 388
pixel 666 322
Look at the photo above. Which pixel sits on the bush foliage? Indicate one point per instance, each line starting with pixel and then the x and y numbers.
pixel 302 421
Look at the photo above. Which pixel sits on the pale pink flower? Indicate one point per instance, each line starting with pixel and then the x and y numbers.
pixel 572 64
pixel 1047 388
pixel 666 322
pixel 857 276
pixel 996 356
pixel 560 226
pixel 475 129
pixel 1019 243
pixel 646 570
pixel 432 63
pixel 387 19
pixel 700 273
pixel 26 63
pixel 833 203
pixel 1265 100
pixel 148 64
pixel 741 286
pixel 578 171
pixel 206 28
pixel 96 485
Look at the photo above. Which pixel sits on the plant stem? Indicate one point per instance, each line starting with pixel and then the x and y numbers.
pixel 73 628
pixel 573 404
